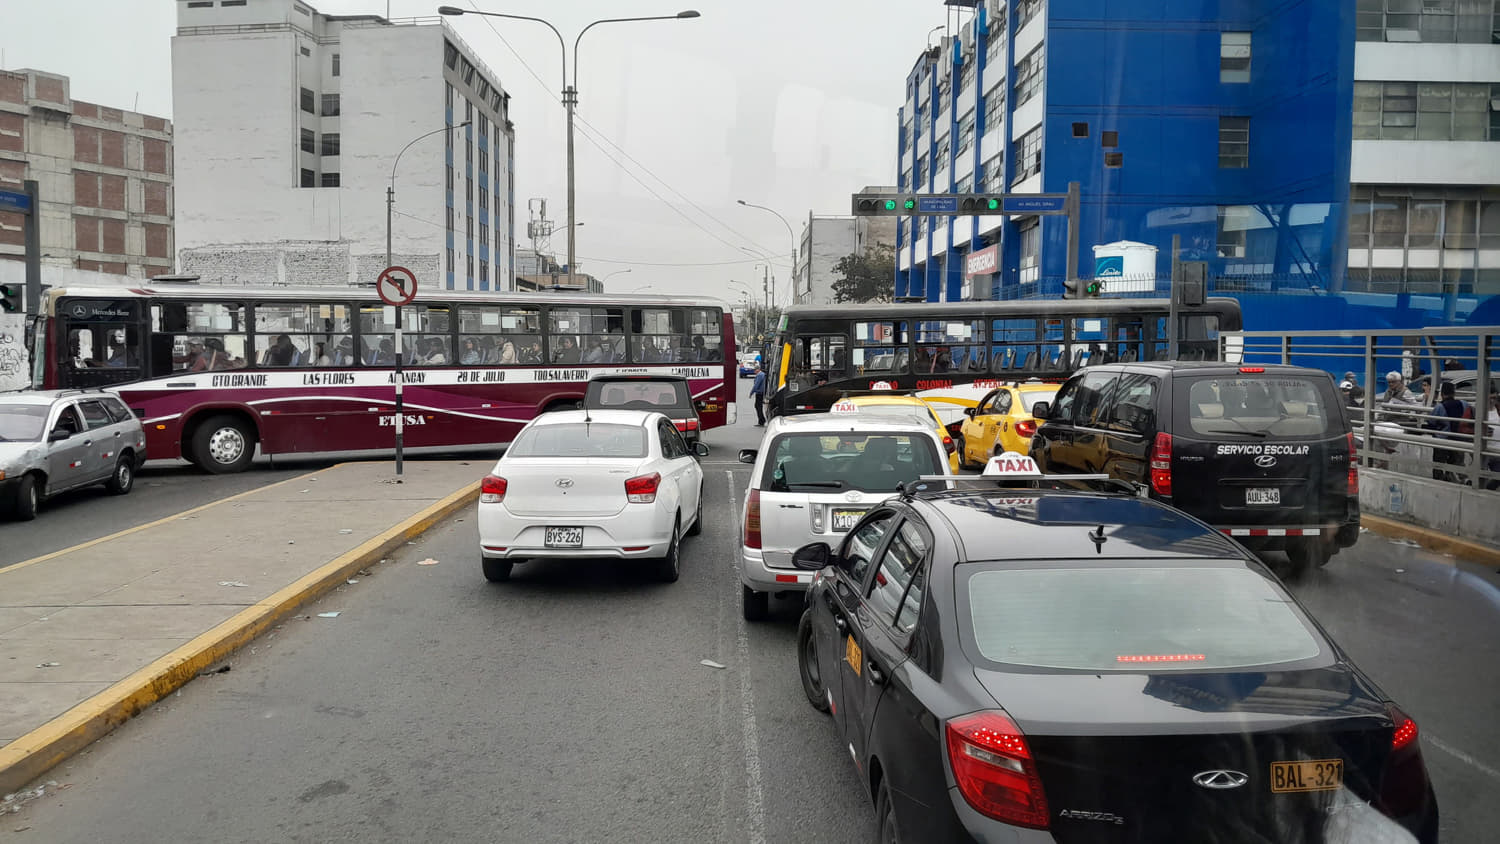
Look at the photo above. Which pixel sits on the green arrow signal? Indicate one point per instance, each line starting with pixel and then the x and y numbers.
pixel 890 205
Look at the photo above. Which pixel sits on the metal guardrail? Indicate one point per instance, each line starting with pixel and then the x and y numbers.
pixel 1401 432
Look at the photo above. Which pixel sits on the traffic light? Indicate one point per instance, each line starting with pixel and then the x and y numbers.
pixel 10 298
pixel 980 204
pixel 1082 288
pixel 883 205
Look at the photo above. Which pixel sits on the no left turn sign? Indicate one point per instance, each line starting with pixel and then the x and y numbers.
pixel 396 286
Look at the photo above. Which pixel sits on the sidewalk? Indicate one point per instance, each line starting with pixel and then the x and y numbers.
pixel 94 634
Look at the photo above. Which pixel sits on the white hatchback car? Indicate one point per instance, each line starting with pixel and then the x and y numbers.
pixel 602 483
pixel 815 475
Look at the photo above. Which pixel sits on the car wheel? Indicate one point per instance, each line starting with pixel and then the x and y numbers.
pixel 223 444
pixel 754 605
pixel 123 479
pixel 808 666
pixel 697 527
pixel 885 817
pixel 497 571
pixel 669 567
pixel 26 499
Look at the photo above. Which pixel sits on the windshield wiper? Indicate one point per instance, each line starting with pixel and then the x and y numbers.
pixel 1244 429
pixel 819 484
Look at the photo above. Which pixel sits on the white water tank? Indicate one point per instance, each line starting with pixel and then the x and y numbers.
pixel 1126 266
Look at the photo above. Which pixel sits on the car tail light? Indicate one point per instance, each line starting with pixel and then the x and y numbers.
pixel 642 489
pixel 686 424
pixel 752 520
pixel 948 444
pixel 1403 785
pixel 1026 427
pixel 492 489
pixel 1353 467
pixel 994 770
pixel 1252 370
pixel 1161 464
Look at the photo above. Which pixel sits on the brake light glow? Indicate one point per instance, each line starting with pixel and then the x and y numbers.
pixel 1406 730
pixel 1160 658
pixel 1161 464
pixel 948 444
pixel 686 424
pixel 1252 370
pixel 1404 784
pixel 752 520
pixel 1026 428
pixel 642 488
pixel 1353 467
pixel 492 489
pixel 994 770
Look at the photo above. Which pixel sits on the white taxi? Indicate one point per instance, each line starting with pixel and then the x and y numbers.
pixel 592 483
pixel 814 476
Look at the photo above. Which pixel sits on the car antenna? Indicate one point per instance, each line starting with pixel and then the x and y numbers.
pixel 1098 538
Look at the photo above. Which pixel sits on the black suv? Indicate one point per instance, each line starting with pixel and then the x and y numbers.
pixel 1263 453
pixel 666 394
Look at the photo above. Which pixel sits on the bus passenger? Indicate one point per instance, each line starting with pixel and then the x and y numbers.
pixel 319 358
pixel 507 354
pixel 283 353
pixel 598 352
pixel 534 353
pixel 568 353
pixel 469 353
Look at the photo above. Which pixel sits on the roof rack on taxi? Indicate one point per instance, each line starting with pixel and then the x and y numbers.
pixel 1015 471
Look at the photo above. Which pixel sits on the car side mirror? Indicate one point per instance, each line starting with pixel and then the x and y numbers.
pixel 1042 410
pixel 58 435
pixel 748 455
pixel 971 411
pixel 700 449
pixel 812 557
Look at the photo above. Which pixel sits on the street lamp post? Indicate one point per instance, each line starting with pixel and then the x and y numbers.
pixel 569 92
pixel 789 234
pixel 390 206
pixel 611 275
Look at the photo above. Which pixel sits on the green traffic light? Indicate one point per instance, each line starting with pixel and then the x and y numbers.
pixel 909 204
pixel 890 205
pixel 1093 288
pixel 992 204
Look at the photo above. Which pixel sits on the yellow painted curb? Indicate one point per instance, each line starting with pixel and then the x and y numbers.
pixel 1433 540
pixel 33 754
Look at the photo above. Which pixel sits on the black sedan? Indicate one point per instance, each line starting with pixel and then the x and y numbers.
pixel 1032 665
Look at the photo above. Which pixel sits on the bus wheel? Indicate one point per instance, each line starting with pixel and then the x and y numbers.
pixel 223 444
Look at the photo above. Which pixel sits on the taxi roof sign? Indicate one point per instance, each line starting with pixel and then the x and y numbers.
pixel 882 385
pixel 844 406
pixel 1011 465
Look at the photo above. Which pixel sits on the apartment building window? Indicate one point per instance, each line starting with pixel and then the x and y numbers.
pixel 231 2
pixel 450 55
pixel 995 43
pixel 1028 9
pixel 994 109
pixel 306 51
pixel 335 64
pixel 1426 21
pixel 1028 76
pixel 469 190
pixel 1426 111
pixel 484 271
pixel 201 4
pixel 904 182
pixel 309 101
pixel 964 185
pixel 1234 57
pixel 940 158
pixel 309 178
pixel 902 137
pixel 1026 151
pixel 921 183
pixel 484 127
pixel 966 75
pixel 1235 222
pixel 330 180
pixel 330 143
pixel 309 141
pixel 965 133
pixel 468 109
pixel 1031 252
pixel 468 77
pixel 1445 227
pixel 450 178
pixel 450 218
pixel 991 177
pixel 330 105
pixel 1234 143
pixel 450 260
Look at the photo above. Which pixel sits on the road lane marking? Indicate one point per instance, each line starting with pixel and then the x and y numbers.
pixel 755 801
pixel 1461 756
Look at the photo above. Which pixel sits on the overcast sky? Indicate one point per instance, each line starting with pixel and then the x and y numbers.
pixel 785 103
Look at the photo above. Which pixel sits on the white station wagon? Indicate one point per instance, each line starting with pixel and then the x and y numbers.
pixel 600 483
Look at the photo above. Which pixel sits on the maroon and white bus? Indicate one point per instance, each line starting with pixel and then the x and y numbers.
pixel 215 371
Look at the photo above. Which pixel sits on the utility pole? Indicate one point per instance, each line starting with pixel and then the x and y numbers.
pixel 766 284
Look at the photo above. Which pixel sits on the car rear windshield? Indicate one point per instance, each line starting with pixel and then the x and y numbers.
pixel 918 413
pixel 1133 617
pixel 1031 397
pixel 22 421
pixel 638 395
pixel 1255 407
pixel 580 439
pixel 871 462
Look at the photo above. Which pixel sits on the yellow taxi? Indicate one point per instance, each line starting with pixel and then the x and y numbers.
pixel 1001 422
pixel 896 404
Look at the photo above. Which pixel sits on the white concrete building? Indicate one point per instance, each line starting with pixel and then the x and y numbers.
pixel 1425 205
pixel 288 123
pixel 827 240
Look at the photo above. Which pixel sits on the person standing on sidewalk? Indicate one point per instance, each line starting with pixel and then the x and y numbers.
pixel 758 390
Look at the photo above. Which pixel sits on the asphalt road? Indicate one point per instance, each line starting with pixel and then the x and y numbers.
pixel 570 705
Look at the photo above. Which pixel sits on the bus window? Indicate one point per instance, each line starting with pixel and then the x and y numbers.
pixel 197 336
pixel 949 346
pixel 105 341
pixel 817 357
pixel 584 335
pixel 1013 344
pixel 377 326
pixel 880 348
pixel 430 343
pixel 657 334
pixel 705 344
pixel 303 335
pixel 500 335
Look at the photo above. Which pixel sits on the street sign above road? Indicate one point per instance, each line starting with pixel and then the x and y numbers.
pixel 937 204
pixel 958 204
pixel 396 286
pixel 1038 204
pixel 14 201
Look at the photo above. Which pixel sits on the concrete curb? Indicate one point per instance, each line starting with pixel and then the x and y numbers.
pixel 33 754
pixel 1433 540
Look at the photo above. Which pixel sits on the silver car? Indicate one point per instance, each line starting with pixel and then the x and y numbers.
pixel 56 440
pixel 815 476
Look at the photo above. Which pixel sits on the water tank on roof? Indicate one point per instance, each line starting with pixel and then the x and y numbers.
pixel 1126 266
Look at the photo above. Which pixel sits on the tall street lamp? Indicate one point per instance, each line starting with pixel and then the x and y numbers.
pixel 612 275
pixel 793 237
pixel 390 205
pixel 569 92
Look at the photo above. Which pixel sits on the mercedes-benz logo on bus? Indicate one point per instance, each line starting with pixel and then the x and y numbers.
pixel 564 482
pixel 80 311
pixel 1266 461
pixel 1220 779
